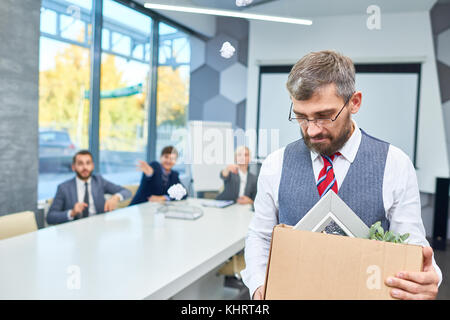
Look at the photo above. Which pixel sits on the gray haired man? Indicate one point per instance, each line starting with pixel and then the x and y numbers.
pixel 376 179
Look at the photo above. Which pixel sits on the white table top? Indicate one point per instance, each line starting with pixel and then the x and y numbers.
pixel 121 255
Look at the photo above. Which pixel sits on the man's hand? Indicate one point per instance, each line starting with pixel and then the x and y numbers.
pixel 416 285
pixel 231 168
pixel 145 168
pixel 258 295
pixel 78 208
pixel 244 200
pixel 157 199
pixel 111 203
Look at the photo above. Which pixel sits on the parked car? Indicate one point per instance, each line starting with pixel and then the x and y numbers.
pixel 55 151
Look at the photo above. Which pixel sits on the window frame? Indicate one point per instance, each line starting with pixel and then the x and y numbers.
pixel 96 51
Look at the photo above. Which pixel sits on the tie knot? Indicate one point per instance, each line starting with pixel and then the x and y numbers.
pixel 330 159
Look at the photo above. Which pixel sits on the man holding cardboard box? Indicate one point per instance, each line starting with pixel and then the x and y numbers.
pixel 375 179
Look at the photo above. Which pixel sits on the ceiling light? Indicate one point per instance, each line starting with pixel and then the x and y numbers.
pixel 226 13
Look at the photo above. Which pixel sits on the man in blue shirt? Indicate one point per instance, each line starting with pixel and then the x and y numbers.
pixel 157 178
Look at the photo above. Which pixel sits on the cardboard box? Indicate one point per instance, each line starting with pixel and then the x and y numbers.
pixel 312 265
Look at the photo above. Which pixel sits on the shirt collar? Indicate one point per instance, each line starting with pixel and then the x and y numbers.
pixel 242 174
pixel 81 182
pixel 164 172
pixel 350 148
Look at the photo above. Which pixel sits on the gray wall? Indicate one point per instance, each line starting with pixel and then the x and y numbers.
pixel 440 23
pixel 218 86
pixel 19 77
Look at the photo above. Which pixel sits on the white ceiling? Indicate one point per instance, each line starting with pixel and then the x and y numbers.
pixel 226 4
pixel 308 8
pixel 205 24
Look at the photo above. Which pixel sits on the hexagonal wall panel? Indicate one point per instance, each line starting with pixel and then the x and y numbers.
pixel 234 27
pixel 213 57
pixel 440 14
pixel 195 108
pixel 204 83
pixel 444 80
pixel 243 51
pixel 233 83
pixel 443 47
pixel 198 52
pixel 446 112
pixel 240 114
pixel 219 108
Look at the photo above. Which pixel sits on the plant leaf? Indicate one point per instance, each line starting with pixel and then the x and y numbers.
pixel 389 237
pixel 404 237
pixel 379 228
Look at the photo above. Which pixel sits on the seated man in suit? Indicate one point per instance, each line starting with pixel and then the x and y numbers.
pixel 239 184
pixel 84 195
pixel 157 178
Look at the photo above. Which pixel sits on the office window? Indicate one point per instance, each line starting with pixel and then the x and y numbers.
pixel 64 76
pixel 172 89
pixel 126 58
pixel 124 91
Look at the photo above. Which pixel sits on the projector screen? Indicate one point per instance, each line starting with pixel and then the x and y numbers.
pixel 389 108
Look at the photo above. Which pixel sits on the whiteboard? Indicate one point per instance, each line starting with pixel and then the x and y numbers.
pixel 388 110
pixel 273 113
pixel 210 149
pixel 389 107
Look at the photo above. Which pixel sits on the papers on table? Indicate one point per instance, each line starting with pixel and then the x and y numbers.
pixel 177 211
pixel 216 203
pixel 183 215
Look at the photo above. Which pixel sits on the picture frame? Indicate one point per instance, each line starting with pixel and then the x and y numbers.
pixel 332 208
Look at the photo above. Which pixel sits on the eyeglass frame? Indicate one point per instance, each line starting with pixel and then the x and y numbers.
pixel 315 120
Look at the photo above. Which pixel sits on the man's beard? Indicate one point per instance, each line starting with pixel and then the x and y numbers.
pixel 81 177
pixel 335 143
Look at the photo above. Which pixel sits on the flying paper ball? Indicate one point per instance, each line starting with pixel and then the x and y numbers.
pixel 243 3
pixel 177 191
pixel 227 50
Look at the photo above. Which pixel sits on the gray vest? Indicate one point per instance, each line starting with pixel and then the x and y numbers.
pixel 361 190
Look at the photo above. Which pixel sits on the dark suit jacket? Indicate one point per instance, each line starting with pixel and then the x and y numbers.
pixel 232 184
pixel 153 186
pixel 66 197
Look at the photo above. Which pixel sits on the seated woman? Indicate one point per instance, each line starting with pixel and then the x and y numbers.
pixel 239 184
pixel 157 178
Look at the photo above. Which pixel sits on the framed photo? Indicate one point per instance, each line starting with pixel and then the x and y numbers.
pixel 331 209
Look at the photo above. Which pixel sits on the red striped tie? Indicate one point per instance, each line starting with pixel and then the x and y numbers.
pixel 327 180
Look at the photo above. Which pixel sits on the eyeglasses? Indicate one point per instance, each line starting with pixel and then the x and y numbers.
pixel 318 122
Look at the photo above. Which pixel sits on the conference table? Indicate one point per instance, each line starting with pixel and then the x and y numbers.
pixel 130 253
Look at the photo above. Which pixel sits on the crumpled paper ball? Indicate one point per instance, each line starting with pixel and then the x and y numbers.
pixel 243 3
pixel 177 191
pixel 227 50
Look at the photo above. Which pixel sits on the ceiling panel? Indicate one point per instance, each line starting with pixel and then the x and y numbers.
pixel 307 8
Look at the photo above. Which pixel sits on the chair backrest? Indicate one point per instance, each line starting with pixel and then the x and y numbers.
pixel 47 205
pixel 133 188
pixel 17 223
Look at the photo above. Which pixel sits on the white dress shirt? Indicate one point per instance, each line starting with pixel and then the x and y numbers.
pixel 80 196
pixel 401 200
pixel 243 182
